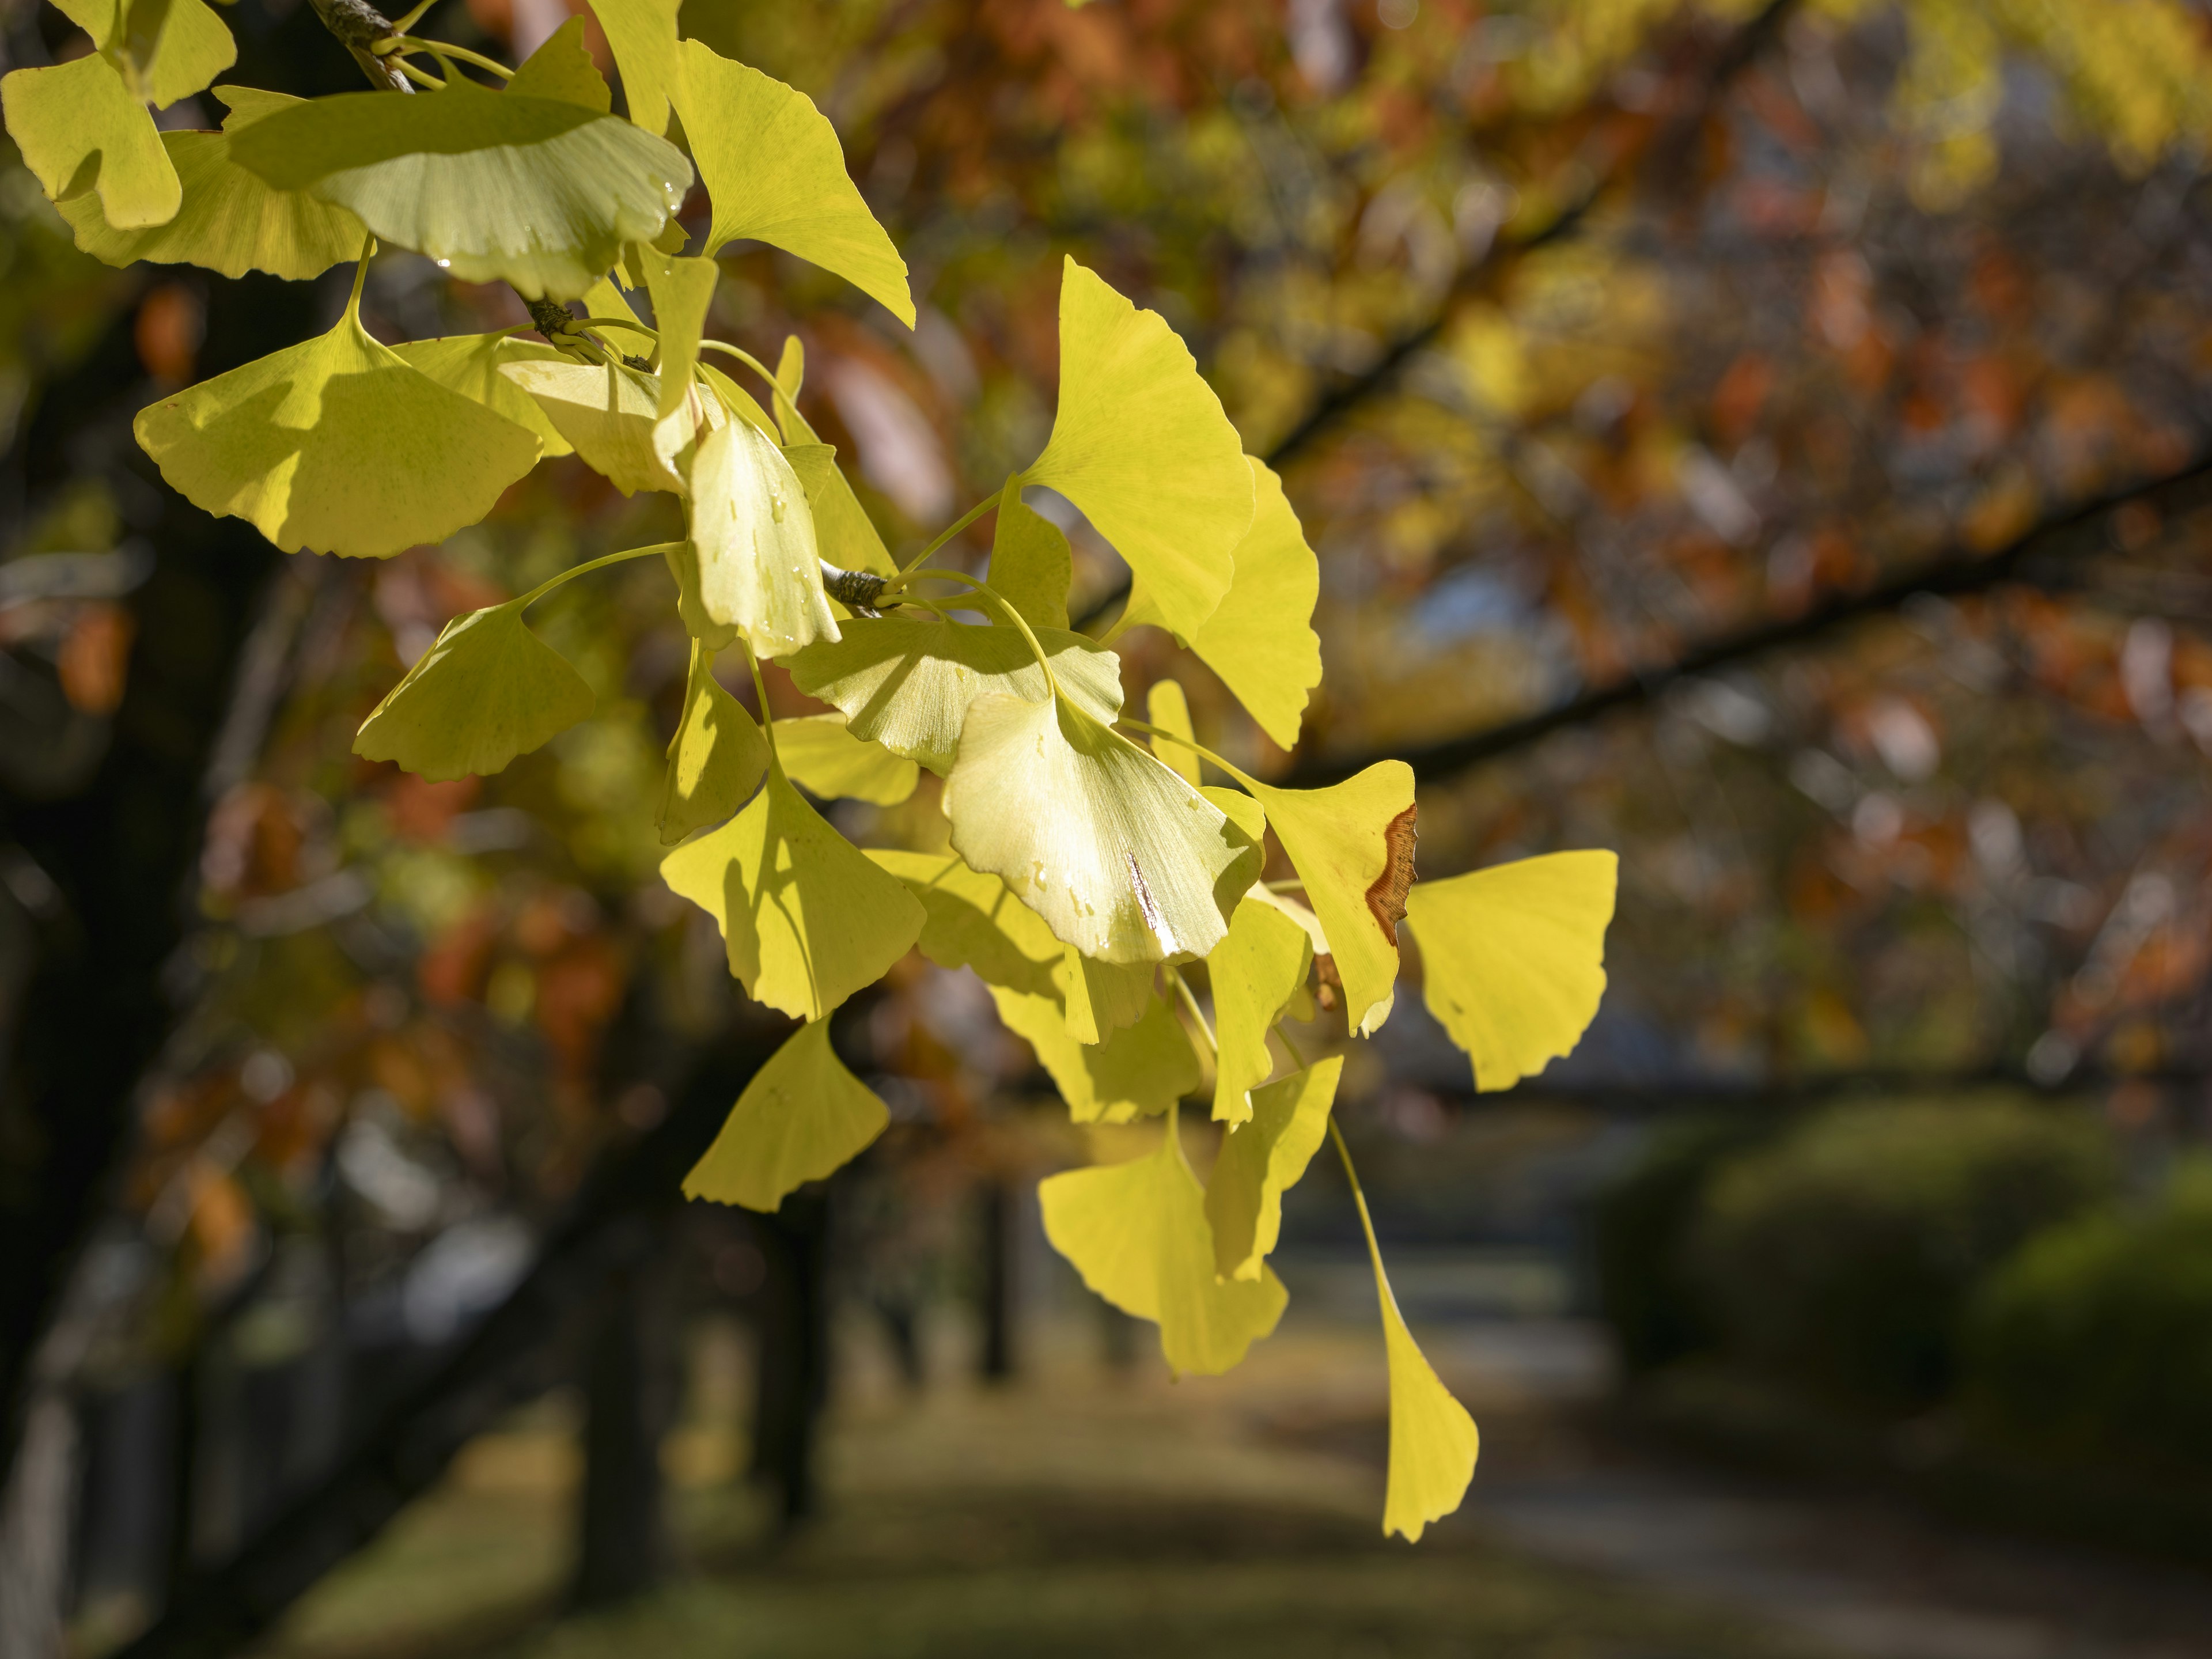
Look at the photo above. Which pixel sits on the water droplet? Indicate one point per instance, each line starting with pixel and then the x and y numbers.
pixel 445 264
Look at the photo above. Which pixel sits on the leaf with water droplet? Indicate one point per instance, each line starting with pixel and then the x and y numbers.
pixel 758 569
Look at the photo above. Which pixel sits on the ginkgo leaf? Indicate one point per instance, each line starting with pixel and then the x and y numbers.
pixel 772 164
pixel 1282 902
pixel 758 568
pixel 487 690
pixel 1255 972
pixel 716 759
pixel 973 921
pixel 907 683
pixel 801 1118
pixel 682 291
pixel 537 192
pixel 1099 998
pixel 1353 844
pixel 164 49
pixel 1137 1233
pixel 1166 707
pixel 337 445
pixel 228 219
pixel 1126 861
pixel 1141 445
pixel 841 530
pixel 1260 640
pixel 1514 957
pixel 1138 1070
pixel 470 364
pixel 643 35
pixel 1433 1442
pixel 1030 562
pixel 79 130
pixel 1239 808
pixel 822 758
pixel 790 375
pixel 561 69
pixel 806 919
pixel 1261 1160
pixel 691 610
pixel 610 415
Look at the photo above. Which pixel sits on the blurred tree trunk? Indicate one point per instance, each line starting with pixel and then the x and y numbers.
pixel 1000 1213
pixel 793 1350
pixel 632 1377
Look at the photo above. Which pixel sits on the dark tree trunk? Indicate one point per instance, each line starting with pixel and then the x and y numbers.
pixel 793 1350
pixel 631 1383
pixel 1001 1213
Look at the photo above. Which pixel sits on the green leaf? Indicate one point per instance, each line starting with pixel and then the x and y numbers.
pixel 470 364
pixel 842 529
pixel 80 129
pixel 1239 808
pixel 790 375
pixel 682 291
pixel 1138 1070
pixel 1030 563
pixel 732 397
pixel 1140 444
pixel 1353 844
pixel 772 163
pixel 534 192
pixel 1137 1233
pixel 164 49
pixel 1260 639
pixel 973 921
pixel 643 34
pixel 1514 958
pixel 691 610
pixel 801 1118
pixel 1126 861
pixel 228 220
pixel 807 920
pixel 1166 707
pixel 337 445
pixel 758 569
pixel 1433 1442
pixel 563 70
pixel 908 683
pixel 487 690
pixel 716 759
pixel 1261 1160
pixel 824 759
pixel 1255 971
pixel 1283 903
pixel 1100 998
pixel 610 415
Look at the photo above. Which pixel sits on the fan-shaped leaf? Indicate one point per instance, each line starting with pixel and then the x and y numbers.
pixel 973 921
pixel 610 414
pixel 806 918
pixel 1260 639
pixel 1140 444
pixel 535 192
pixel 164 49
pixel 563 70
pixel 1167 707
pixel 487 690
pixel 758 568
pixel 1100 998
pixel 643 34
pixel 682 291
pixel 1030 562
pixel 1138 1070
pixel 1255 971
pixel 683 564
pixel 801 1118
pixel 1126 861
pixel 79 130
pixel 908 683
pixel 1514 958
pixel 337 445
pixel 824 759
pixel 772 163
pixel 1137 1233
pixel 716 759
pixel 1261 1160
pixel 841 530
pixel 470 364
pixel 1433 1442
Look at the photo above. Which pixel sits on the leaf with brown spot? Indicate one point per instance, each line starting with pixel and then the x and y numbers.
pixel 1386 894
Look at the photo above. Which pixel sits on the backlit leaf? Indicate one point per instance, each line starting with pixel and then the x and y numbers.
pixel 822 758
pixel 79 130
pixel 1126 861
pixel 1101 997
pixel 164 49
pixel 1255 972
pixel 1261 1160
pixel 1514 958
pixel 1284 903
pixel 790 375
pixel 973 921
pixel 337 445
pixel 1166 707
pixel 716 759
pixel 907 683
pixel 561 69
pixel 682 291
pixel 610 415
pixel 1138 1070
pixel 1433 1442
pixel 1353 844
pixel 758 569
pixel 1030 563
pixel 643 35
pixel 487 690
pixel 1137 1233
pixel 1140 444
pixel 1239 808
pixel 470 364
pixel 535 192
pixel 841 530
pixel 801 1118
pixel 776 174
pixel 806 919
pixel 1260 639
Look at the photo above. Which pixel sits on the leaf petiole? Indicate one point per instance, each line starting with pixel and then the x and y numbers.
pixel 445 54
pixel 949 531
pixel 1197 748
pixel 754 364
pixel 1366 1221
pixel 574 571
pixel 1190 1002
pixel 420 78
pixel 767 719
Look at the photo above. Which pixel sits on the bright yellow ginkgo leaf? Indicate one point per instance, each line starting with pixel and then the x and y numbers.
pixel 824 759
pixel 1167 707
pixel 164 49
pixel 973 921
pixel 1261 1160
pixel 1433 1441
pixel 1137 1233
pixel 1100 998
pixel 1138 1071
pixel 1030 562
pixel 1141 445
pixel 487 690
pixel 1514 957
pixel 79 130
pixel 610 415
pixel 1260 639
pixel 754 535
pixel 801 1118
pixel 1353 844
pixel 682 290
pixel 716 759
pixel 1126 861
pixel 643 35
pixel 776 174
pixel 561 69
pixel 806 918
pixel 1255 972
pixel 470 364
pixel 843 532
